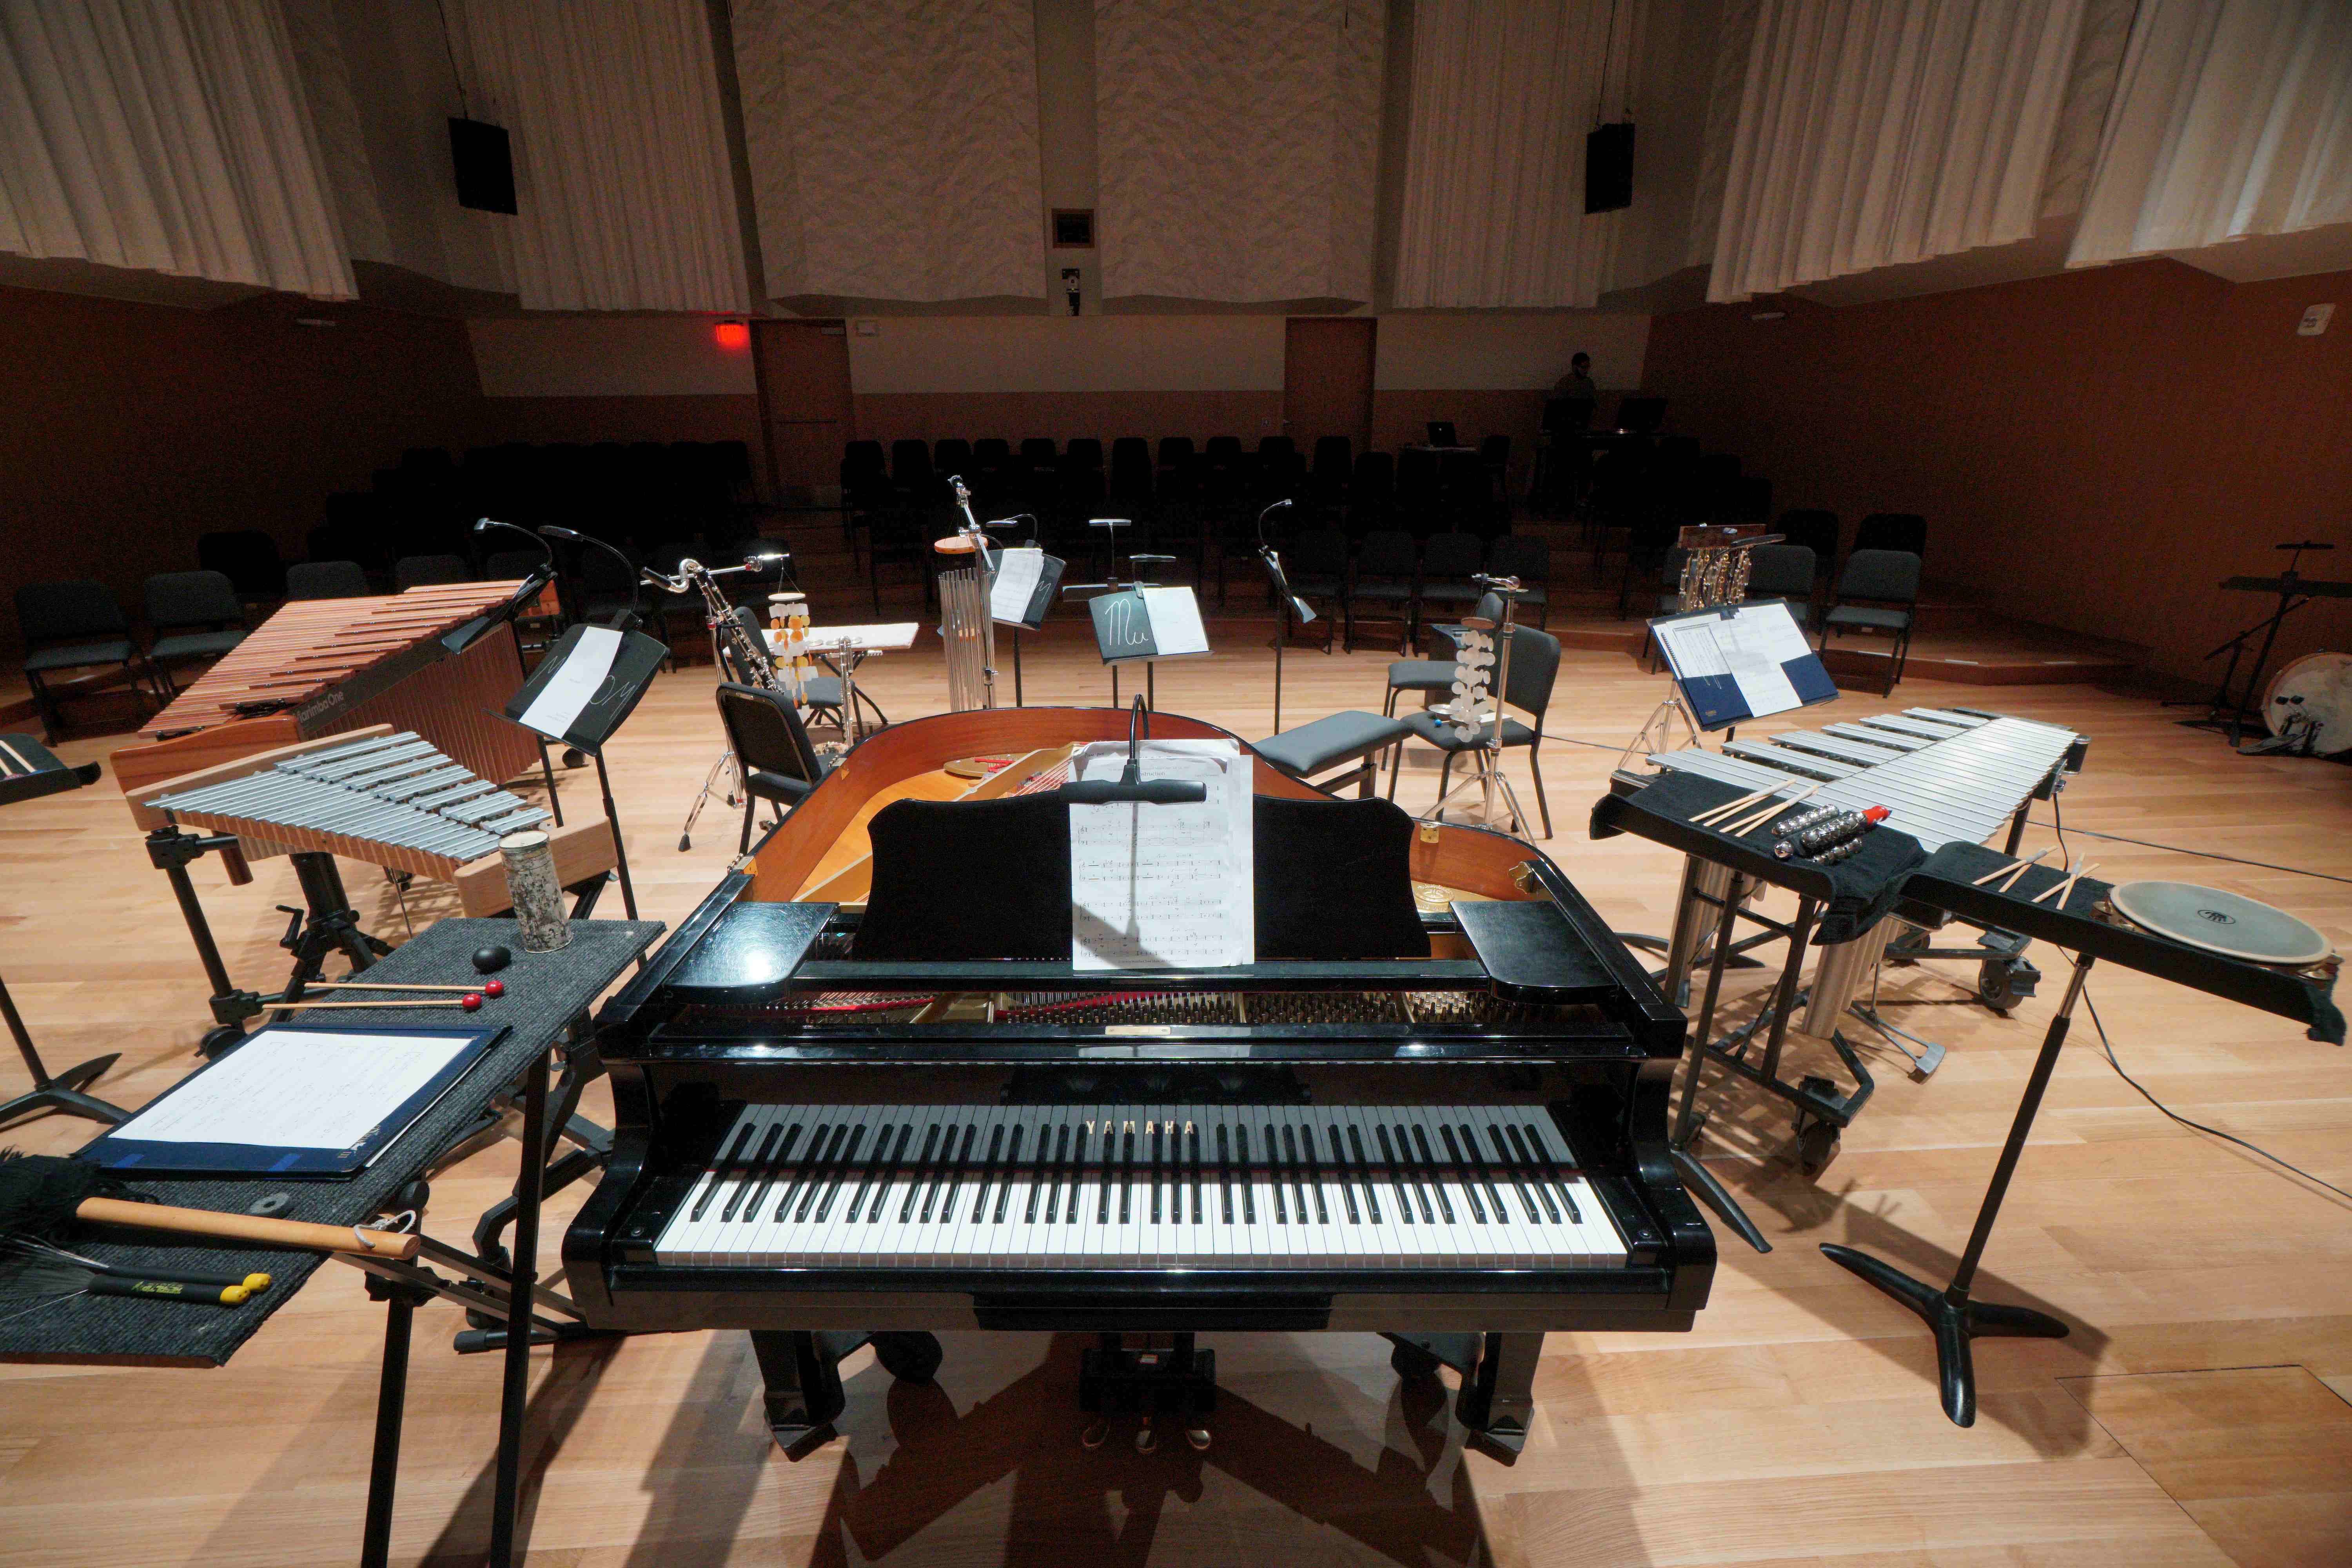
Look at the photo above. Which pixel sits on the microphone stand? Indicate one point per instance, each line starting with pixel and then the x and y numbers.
pixel 1290 603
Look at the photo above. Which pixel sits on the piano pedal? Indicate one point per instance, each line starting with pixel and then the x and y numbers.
pixel 1096 1436
pixel 1146 1439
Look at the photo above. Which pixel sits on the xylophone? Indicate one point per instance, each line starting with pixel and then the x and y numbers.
pixel 389 799
pixel 327 667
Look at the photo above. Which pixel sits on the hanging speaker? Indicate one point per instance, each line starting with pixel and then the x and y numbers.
pixel 1609 168
pixel 485 165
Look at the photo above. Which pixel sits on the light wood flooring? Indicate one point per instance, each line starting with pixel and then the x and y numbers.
pixel 2195 1415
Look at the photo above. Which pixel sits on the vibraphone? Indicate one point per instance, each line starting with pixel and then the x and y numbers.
pixel 327 667
pixel 1946 775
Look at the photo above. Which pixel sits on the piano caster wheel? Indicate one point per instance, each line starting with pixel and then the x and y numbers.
pixel 1816 1146
pixel 1096 1436
pixel 1146 1439
pixel 910 1357
pixel 1199 1438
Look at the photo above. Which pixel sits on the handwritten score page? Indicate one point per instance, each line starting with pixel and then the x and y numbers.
pixel 1176 627
pixel 570 688
pixel 1161 887
pixel 296 1088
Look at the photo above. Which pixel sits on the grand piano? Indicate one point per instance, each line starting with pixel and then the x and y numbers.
pixel 862 1095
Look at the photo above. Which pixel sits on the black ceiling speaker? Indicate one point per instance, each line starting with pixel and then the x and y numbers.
pixel 1609 168
pixel 485 165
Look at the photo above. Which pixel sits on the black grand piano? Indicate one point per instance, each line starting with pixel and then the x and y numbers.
pixel 861 1098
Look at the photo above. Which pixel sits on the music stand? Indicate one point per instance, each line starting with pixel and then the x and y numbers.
pixel 1486 774
pixel 2227 714
pixel 622 666
pixel 1125 629
pixel 1029 613
pixel 28 771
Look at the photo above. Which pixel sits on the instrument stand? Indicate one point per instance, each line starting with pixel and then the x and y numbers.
pixel 1486 774
pixel 1657 731
pixel 60 1093
pixel 1954 1318
pixel 2227 714
pixel 613 821
pixel 1682 1144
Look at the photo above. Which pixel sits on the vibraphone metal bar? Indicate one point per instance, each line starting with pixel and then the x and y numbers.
pixel 390 800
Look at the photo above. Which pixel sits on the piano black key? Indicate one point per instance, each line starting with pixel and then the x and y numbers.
pixel 1249 1200
pixel 925 1181
pixel 1314 1178
pixel 1192 1136
pixel 1487 1176
pixel 1550 1169
pixel 1049 1172
pixel 1469 1177
pixel 718 1171
pixel 878 1174
pixel 840 1173
pixel 1429 1160
pixel 1159 1132
pixel 1371 1193
pixel 1225 1171
pixel 1419 1185
pixel 812 1155
pixel 1126 1173
pixel 1340 1164
pixel 987 1173
pixel 955 1176
pixel 1528 1165
pixel 1012 1165
pixel 1276 1176
pixel 832 1148
pixel 1396 1173
pixel 1109 1155
pixel 759 1163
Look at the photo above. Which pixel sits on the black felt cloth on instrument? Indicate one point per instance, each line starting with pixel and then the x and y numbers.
pixel 1949 882
pixel 544 991
pixel 1853 894
pixel 981 879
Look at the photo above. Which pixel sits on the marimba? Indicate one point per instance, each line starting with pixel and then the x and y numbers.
pixel 328 667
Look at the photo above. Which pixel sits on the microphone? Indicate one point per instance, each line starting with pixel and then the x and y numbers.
pixel 484 524
pixel 629 619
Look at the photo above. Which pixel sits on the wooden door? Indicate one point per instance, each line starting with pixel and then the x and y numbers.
pixel 1326 380
pixel 804 404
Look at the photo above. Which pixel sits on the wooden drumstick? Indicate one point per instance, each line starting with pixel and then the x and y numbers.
pixel 471 1002
pixel 1760 818
pixel 2065 890
pixel 1707 819
pixel 2014 869
pixel 485 987
pixel 17 758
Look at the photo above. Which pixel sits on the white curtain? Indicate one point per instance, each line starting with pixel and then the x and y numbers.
pixel 625 188
pixel 893 147
pixel 1877 131
pixel 2231 118
pixel 165 134
pixel 1503 96
pixel 1237 146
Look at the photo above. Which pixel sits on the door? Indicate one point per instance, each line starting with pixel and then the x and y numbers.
pixel 1326 380
pixel 803 369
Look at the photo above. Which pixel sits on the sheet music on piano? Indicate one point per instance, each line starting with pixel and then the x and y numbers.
pixel 1157 886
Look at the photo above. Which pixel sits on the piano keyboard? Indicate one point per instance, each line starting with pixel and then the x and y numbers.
pixel 1239 1186
pixel 1946 775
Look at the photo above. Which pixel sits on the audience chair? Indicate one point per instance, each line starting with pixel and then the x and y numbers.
pixel 1317 565
pixel 1371 494
pixel 70 626
pixel 1130 472
pixel 327 580
pixel 772 751
pixel 910 471
pixel 423 571
pixel 1327 473
pixel 193 615
pixel 951 455
pixel 246 557
pixel 1535 664
pixel 1434 676
pixel 1816 530
pixel 1784 571
pixel 1529 558
pixel 1448 561
pixel 1082 452
pixel 1890 578
pixel 1387 564
pixel 1648 545
pixel 1904 530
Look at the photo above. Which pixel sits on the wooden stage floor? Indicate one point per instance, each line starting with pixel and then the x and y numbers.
pixel 2197 1414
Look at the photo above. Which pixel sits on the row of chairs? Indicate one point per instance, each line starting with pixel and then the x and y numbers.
pixel 1392 577
pixel 191 617
pixel 1876 591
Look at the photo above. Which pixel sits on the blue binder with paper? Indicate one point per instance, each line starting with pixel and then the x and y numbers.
pixel 1737 662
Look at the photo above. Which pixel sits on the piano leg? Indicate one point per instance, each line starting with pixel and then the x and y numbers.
pixel 802 1371
pixel 1498 1400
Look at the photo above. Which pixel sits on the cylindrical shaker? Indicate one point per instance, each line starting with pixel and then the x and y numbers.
pixel 537 896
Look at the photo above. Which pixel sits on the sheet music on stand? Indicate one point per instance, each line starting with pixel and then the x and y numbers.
pixel 1159 886
pixel 587 686
pixel 1737 662
pixel 1023 587
pixel 1148 622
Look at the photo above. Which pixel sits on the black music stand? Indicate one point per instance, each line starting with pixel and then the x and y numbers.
pixel 28 771
pixel 2227 714
pixel 1297 606
pixel 623 685
pixel 1032 615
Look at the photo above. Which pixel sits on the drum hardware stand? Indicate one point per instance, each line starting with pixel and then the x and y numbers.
pixel 1288 605
pixel 62 1092
pixel 2226 713
pixel 1486 774
pixel 1657 732
pixel 1954 1318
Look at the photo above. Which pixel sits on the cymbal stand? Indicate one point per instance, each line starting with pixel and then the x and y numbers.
pixel 1486 774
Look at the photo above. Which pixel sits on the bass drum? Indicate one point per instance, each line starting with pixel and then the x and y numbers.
pixel 2318 688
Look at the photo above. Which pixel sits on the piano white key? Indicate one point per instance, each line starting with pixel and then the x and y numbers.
pixel 707 1243
pixel 670 1245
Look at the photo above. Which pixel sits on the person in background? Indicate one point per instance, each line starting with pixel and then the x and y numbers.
pixel 1577 382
